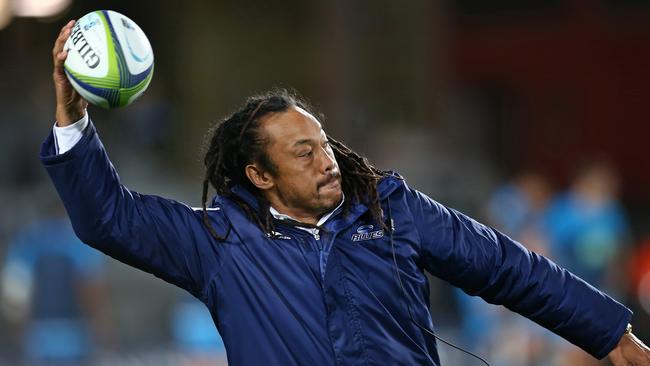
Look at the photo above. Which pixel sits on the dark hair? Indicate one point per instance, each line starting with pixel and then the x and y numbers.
pixel 237 141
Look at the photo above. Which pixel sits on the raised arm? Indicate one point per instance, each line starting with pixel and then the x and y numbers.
pixel 155 234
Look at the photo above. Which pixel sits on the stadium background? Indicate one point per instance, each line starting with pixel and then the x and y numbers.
pixel 495 108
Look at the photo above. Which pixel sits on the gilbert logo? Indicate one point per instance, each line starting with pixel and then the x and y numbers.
pixel 365 233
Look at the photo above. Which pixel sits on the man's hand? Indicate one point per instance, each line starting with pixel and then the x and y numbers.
pixel 630 351
pixel 70 106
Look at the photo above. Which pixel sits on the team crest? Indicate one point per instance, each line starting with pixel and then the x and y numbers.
pixel 365 232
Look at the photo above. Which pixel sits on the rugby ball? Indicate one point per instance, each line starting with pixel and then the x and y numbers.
pixel 110 60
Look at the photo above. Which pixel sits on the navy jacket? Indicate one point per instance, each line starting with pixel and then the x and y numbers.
pixel 268 298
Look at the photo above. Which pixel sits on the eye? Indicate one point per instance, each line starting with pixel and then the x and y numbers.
pixel 326 144
pixel 306 154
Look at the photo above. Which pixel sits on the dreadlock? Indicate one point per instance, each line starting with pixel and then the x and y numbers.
pixel 237 141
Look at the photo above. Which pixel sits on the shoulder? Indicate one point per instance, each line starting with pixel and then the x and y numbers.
pixel 390 183
pixel 394 189
pixel 395 185
pixel 215 213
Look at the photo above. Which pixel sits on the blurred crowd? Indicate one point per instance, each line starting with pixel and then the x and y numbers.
pixel 380 75
pixel 582 227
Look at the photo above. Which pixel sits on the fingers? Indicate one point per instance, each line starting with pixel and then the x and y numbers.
pixel 58 53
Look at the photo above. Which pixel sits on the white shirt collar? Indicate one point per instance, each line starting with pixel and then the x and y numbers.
pixel 321 221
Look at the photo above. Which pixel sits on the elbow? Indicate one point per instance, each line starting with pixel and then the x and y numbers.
pixel 113 220
pixel 88 232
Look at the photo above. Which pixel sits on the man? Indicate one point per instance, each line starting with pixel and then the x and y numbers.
pixel 308 255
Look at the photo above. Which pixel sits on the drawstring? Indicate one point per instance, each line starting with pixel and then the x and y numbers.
pixel 391 229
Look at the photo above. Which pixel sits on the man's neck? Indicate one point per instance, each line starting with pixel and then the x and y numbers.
pixel 282 213
pixel 307 219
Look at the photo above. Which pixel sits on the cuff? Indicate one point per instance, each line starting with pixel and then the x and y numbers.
pixel 65 138
pixel 623 321
pixel 50 156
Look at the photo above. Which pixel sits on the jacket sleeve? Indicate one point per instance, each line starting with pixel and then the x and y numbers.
pixel 157 235
pixel 483 262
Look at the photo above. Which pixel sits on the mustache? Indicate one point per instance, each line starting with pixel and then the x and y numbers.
pixel 333 176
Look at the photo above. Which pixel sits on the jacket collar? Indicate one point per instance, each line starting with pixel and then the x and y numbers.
pixel 389 184
pixel 385 187
pixel 241 192
pixel 280 216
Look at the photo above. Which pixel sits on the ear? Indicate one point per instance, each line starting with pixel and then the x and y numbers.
pixel 260 178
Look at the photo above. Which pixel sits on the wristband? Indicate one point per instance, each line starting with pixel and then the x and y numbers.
pixel 628 329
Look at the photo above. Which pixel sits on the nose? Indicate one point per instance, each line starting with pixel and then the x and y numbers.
pixel 326 160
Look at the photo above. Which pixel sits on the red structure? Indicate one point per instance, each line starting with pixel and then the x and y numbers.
pixel 578 81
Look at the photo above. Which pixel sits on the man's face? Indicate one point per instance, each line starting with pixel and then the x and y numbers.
pixel 307 181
